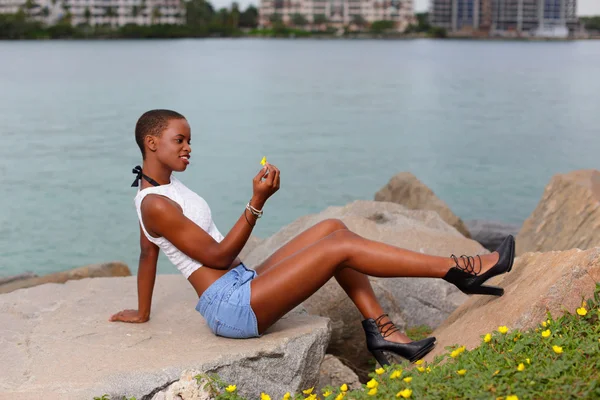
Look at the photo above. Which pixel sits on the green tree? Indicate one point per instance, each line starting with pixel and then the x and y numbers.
pixel 382 26
pixel 299 20
pixel 320 19
pixel 275 19
pixel 249 18
pixel 156 14
pixel 359 21
pixel 87 15
pixel 235 15
pixel 198 13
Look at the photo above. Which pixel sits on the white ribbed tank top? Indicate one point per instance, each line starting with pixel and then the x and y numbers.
pixel 194 207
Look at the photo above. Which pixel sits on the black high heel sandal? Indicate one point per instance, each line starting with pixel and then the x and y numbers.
pixel 470 282
pixel 377 344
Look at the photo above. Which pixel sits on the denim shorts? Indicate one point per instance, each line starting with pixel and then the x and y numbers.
pixel 225 305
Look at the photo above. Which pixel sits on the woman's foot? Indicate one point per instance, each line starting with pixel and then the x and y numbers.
pixel 469 273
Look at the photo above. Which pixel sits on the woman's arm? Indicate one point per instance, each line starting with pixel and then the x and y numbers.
pixel 163 218
pixel 145 283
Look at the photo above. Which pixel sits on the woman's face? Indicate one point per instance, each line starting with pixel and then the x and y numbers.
pixel 174 145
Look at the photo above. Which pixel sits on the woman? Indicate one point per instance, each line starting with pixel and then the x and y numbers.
pixel 237 302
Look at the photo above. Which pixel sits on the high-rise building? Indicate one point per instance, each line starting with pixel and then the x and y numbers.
pixel 525 17
pixel 338 13
pixel 100 12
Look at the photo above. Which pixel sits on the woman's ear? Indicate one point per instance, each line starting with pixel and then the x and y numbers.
pixel 151 142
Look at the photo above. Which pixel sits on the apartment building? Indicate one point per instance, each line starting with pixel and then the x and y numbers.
pixel 338 13
pixel 100 12
pixel 504 17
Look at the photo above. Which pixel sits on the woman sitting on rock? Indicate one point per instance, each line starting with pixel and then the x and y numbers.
pixel 238 302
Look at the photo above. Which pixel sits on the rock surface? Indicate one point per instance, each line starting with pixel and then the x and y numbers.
pixel 334 373
pixel 491 233
pixel 89 271
pixel 567 215
pixel 538 282
pixel 57 343
pixel 404 188
pixel 409 302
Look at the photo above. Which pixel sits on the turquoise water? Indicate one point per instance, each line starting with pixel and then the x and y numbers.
pixel 484 124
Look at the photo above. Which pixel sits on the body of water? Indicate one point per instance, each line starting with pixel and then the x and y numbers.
pixel 484 124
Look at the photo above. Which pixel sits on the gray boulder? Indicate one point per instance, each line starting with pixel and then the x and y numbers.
pixel 334 373
pixel 491 233
pixel 404 188
pixel 409 302
pixel 57 343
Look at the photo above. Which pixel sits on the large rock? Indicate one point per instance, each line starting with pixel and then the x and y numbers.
pixel 250 245
pixel 404 188
pixel 89 271
pixel 567 216
pixel 491 233
pixel 334 373
pixel 409 301
pixel 57 343
pixel 539 282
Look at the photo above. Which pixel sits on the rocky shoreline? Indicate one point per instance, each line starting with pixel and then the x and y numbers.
pixel 59 319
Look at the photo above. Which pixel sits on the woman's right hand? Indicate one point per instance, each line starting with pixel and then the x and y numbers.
pixel 264 188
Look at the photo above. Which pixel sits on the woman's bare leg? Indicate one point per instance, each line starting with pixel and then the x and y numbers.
pixel 355 284
pixel 292 279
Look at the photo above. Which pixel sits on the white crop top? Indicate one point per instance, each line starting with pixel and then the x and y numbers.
pixel 194 207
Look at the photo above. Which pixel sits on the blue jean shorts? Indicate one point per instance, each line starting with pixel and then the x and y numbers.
pixel 225 305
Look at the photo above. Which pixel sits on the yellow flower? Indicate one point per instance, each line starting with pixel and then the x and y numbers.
pixel 327 393
pixel 461 371
pixel 344 388
pixel 308 391
pixel 487 338
pixel 339 396
pixel 528 360
pixel 231 388
pixel 420 369
pixel 544 324
pixel 311 397
pixel 407 379
pixel 546 333
pixel 428 369
pixel 512 397
pixel 264 396
pixel 372 392
pixel 404 393
pixel 548 322
pixel 496 372
pixel 581 311
pixel 418 362
pixel 263 161
pixel 557 349
pixel 372 384
pixel 396 374
pixel 287 396
pixel 521 367
pixel 502 329
pixel 454 353
pixel 379 371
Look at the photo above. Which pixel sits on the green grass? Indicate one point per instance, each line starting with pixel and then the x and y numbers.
pixel 562 363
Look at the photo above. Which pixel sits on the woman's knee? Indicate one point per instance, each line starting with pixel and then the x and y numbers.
pixel 332 225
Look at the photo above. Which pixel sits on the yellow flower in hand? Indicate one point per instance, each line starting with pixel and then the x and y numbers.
pixel 557 349
pixel 407 379
pixel 372 392
pixel 379 371
pixel 461 371
pixel 344 388
pixel 502 329
pixel 404 393
pixel 487 338
pixel 396 374
pixel 263 161
pixel 231 388
pixel 521 367
pixel 582 311
pixel 546 333
pixel 372 384
pixel 264 396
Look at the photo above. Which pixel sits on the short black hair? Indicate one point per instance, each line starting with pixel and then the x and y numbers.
pixel 153 122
